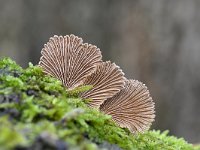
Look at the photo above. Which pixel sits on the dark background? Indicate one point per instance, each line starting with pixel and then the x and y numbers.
pixel 155 41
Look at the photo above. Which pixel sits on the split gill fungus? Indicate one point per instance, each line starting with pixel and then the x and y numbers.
pixel 76 63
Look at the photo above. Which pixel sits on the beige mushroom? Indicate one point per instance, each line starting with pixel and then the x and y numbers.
pixel 69 60
pixel 75 63
pixel 132 107
pixel 107 80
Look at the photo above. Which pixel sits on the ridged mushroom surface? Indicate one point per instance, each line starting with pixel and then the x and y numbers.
pixel 69 60
pixel 132 107
pixel 107 80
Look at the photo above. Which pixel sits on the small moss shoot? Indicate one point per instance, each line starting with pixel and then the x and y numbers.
pixel 36 111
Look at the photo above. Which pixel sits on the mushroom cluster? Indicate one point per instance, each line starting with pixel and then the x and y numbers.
pixel 76 63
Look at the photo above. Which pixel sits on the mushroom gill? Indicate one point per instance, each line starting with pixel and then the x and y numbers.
pixel 107 80
pixel 76 63
pixel 132 107
pixel 69 60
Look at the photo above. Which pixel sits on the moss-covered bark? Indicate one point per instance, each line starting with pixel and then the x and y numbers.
pixel 36 112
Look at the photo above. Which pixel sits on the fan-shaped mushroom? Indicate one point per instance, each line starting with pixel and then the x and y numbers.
pixel 74 63
pixel 132 107
pixel 69 60
pixel 107 80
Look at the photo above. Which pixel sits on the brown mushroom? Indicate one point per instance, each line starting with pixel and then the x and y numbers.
pixel 132 107
pixel 107 80
pixel 74 63
pixel 69 60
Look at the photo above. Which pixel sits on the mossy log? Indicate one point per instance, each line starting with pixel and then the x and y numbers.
pixel 36 113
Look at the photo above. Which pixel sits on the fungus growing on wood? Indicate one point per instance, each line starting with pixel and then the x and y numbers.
pixel 132 107
pixel 69 60
pixel 107 80
pixel 75 63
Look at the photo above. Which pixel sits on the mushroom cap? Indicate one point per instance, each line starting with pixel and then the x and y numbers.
pixel 132 107
pixel 69 60
pixel 107 80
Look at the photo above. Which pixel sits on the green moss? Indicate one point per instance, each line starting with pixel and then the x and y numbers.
pixel 37 111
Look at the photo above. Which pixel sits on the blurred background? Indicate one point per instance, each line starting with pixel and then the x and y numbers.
pixel 155 41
